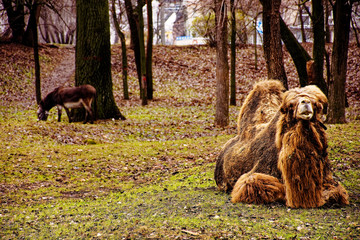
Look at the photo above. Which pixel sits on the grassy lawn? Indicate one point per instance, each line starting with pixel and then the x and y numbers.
pixel 151 176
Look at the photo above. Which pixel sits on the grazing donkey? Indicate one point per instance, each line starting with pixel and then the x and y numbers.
pixel 68 97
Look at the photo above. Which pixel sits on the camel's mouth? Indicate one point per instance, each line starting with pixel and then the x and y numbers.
pixel 307 115
pixel 305 110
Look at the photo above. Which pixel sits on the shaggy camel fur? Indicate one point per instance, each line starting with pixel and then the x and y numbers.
pixel 280 152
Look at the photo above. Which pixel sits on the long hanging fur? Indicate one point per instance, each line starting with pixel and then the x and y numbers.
pixel 257 188
pixel 283 158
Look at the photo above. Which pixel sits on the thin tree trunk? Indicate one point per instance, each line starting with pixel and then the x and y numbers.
pixel 354 27
pixel 255 45
pixel 327 25
pixel 342 13
pixel 16 19
pixel 143 85
pixel 123 52
pixel 162 22
pixel 93 55
pixel 222 67
pixel 35 9
pixel 303 34
pixel 124 66
pixel 35 42
pixel 297 52
pixel 132 18
pixel 149 50
pixel 233 56
pixel 272 41
pixel 319 43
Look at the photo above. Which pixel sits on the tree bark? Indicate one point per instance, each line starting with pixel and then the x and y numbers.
pixel 303 34
pixel 35 42
pixel 35 8
pixel 233 56
pixel 337 94
pixel 143 83
pixel 327 25
pixel 132 19
pixel 136 22
pixel 299 55
pixel 355 29
pixel 93 63
pixel 222 67
pixel 272 41
pixel 149 50
pixel 123 51
pixel 319 43
pixel 16 18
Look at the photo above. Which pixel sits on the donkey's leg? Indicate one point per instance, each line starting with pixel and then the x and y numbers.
pixel 68 114
pixel 59 108
pixel 86 116
pixel 88 111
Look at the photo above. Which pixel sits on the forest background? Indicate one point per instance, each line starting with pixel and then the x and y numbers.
pixel 150 176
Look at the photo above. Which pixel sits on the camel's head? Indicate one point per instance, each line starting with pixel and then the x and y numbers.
pixel 308 103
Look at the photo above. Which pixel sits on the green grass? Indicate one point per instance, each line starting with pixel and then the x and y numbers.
pixel 149 177
pixel 56 183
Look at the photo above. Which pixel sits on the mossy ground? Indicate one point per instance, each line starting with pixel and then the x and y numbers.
pixel 149 177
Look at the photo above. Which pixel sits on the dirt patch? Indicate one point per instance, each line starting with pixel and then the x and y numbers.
pixel 63 73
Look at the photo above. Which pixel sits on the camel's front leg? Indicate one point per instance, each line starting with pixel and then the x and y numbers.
pixel 258 188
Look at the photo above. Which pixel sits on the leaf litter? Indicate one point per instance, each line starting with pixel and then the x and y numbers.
pixel 151 175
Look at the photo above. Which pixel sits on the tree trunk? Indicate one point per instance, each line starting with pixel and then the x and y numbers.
pixel 303 34
pixel 319 43
pixel 222 68
pixel 272 41
pixel 233 56
pixel 143 85
pixel 93 64
pixel 35 42
pixel 354 28
pixel 149 49
pixel 123 52
pixel 297 52
pixel 327 25
pixel 16 18
pixel 162 22
pixel 35 8
pixel 255 45
pixel 132 18
pixel 136 22
pixel 342 15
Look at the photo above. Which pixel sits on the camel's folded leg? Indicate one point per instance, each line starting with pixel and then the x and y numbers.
pixel 258 188
pixel 335 193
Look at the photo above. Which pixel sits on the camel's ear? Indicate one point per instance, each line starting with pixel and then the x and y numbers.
pixel 283 108
pixel 288 106
pixel 325 108
pixel 321 107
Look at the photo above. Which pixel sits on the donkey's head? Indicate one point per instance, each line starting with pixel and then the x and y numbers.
pixel 41 112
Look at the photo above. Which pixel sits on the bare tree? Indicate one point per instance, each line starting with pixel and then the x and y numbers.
pixel 342 13
pixel 93 63
pixel 57 23
pixel 222 67
pixel 233 55
pixel 123 48
pixel 149 50
pixel 319 43
pixel 272 41
pixel 136 22
pixel 16 18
